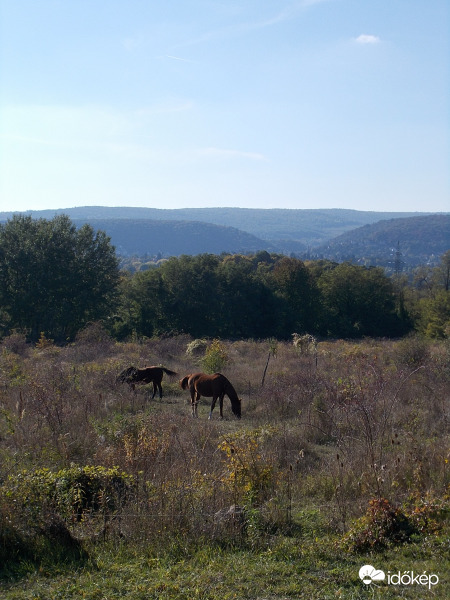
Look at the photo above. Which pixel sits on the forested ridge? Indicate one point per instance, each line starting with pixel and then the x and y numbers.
pixel 173 238
pixel 362 237
pixel 420 240
pixel 312 227
pixel 55 278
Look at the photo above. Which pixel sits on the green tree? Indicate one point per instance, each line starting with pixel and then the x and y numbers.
pixel 246 304
pixel 140 305
pixel 204 295
pixel 358 301
pixel 190 294
pixel 296 287
pixel 434 315
pixel 55 278
pixel 444 271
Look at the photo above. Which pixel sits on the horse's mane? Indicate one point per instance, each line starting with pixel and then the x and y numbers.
pixel 234 398
pixel 184 382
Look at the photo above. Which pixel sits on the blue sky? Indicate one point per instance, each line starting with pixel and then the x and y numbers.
pixel 250 103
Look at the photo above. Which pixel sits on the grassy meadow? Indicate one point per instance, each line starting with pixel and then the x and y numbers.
pixel 340 460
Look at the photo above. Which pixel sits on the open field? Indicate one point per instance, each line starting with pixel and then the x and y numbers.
pixel 340 459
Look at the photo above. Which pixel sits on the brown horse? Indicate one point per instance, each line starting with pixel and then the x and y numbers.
pixel 145 375
pixel 215 386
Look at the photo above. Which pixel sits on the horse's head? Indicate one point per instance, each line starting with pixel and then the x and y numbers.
pixel 127 376
pixel 236 406
pixel 184 382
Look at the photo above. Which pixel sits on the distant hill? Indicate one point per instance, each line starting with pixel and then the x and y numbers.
pixel 365 237
pixel 173 238
pixel 420 240
pixel 290 229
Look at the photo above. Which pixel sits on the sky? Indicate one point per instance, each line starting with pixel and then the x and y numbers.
pixel 208 103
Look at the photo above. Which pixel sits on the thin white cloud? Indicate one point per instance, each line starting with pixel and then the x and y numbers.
pixel 365 38
pixel 291 11
pixel 178 58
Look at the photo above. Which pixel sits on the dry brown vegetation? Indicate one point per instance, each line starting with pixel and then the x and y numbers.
pixel 330 429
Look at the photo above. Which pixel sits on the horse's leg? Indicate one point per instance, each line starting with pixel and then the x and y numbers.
pixel 154 389
pixel 160 390
pixel 221 405
pixel 213 403
pixel 194 402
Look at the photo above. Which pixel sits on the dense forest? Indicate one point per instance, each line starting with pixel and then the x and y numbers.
pixel 55 279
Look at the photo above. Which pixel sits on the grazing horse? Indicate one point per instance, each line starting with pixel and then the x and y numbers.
pixel 217 385
pixel 145 375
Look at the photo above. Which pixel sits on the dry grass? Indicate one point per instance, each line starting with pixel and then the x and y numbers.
pixel 328 431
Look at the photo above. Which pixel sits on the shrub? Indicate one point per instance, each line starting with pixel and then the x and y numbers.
pixel 16 343
pixel 304 344
pixel 44 342
pixel 196 347
pixel 70 494
pixel 249 473
pixel 216 357
pixel 428 514
pixel 412 351
pixel 34 535
pixel 383 525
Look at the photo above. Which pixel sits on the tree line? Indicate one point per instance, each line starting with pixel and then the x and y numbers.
pixel 55 279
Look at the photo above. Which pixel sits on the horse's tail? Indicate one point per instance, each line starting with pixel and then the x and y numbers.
pixel 169 372
pixel 234 398
pixel 184 382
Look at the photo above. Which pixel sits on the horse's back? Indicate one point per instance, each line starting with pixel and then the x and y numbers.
pixel 208 385
pixel 148 374
pixel 194 377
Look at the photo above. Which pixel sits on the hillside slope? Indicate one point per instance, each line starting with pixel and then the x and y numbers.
pixel 290 229
pixel 420 240
pixel 173 238
pixel 370 238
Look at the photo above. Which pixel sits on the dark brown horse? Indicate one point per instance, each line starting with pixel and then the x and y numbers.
pixel 215 386
pixel 145 375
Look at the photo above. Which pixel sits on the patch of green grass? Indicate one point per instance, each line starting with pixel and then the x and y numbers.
pixel 285 568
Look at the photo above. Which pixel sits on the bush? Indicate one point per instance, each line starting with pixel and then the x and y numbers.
pixel 26 544
pixel 216 357
pixel 196 347
pixel 70 495
pixel 16 343
pixel 412 351
pixel 382 526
